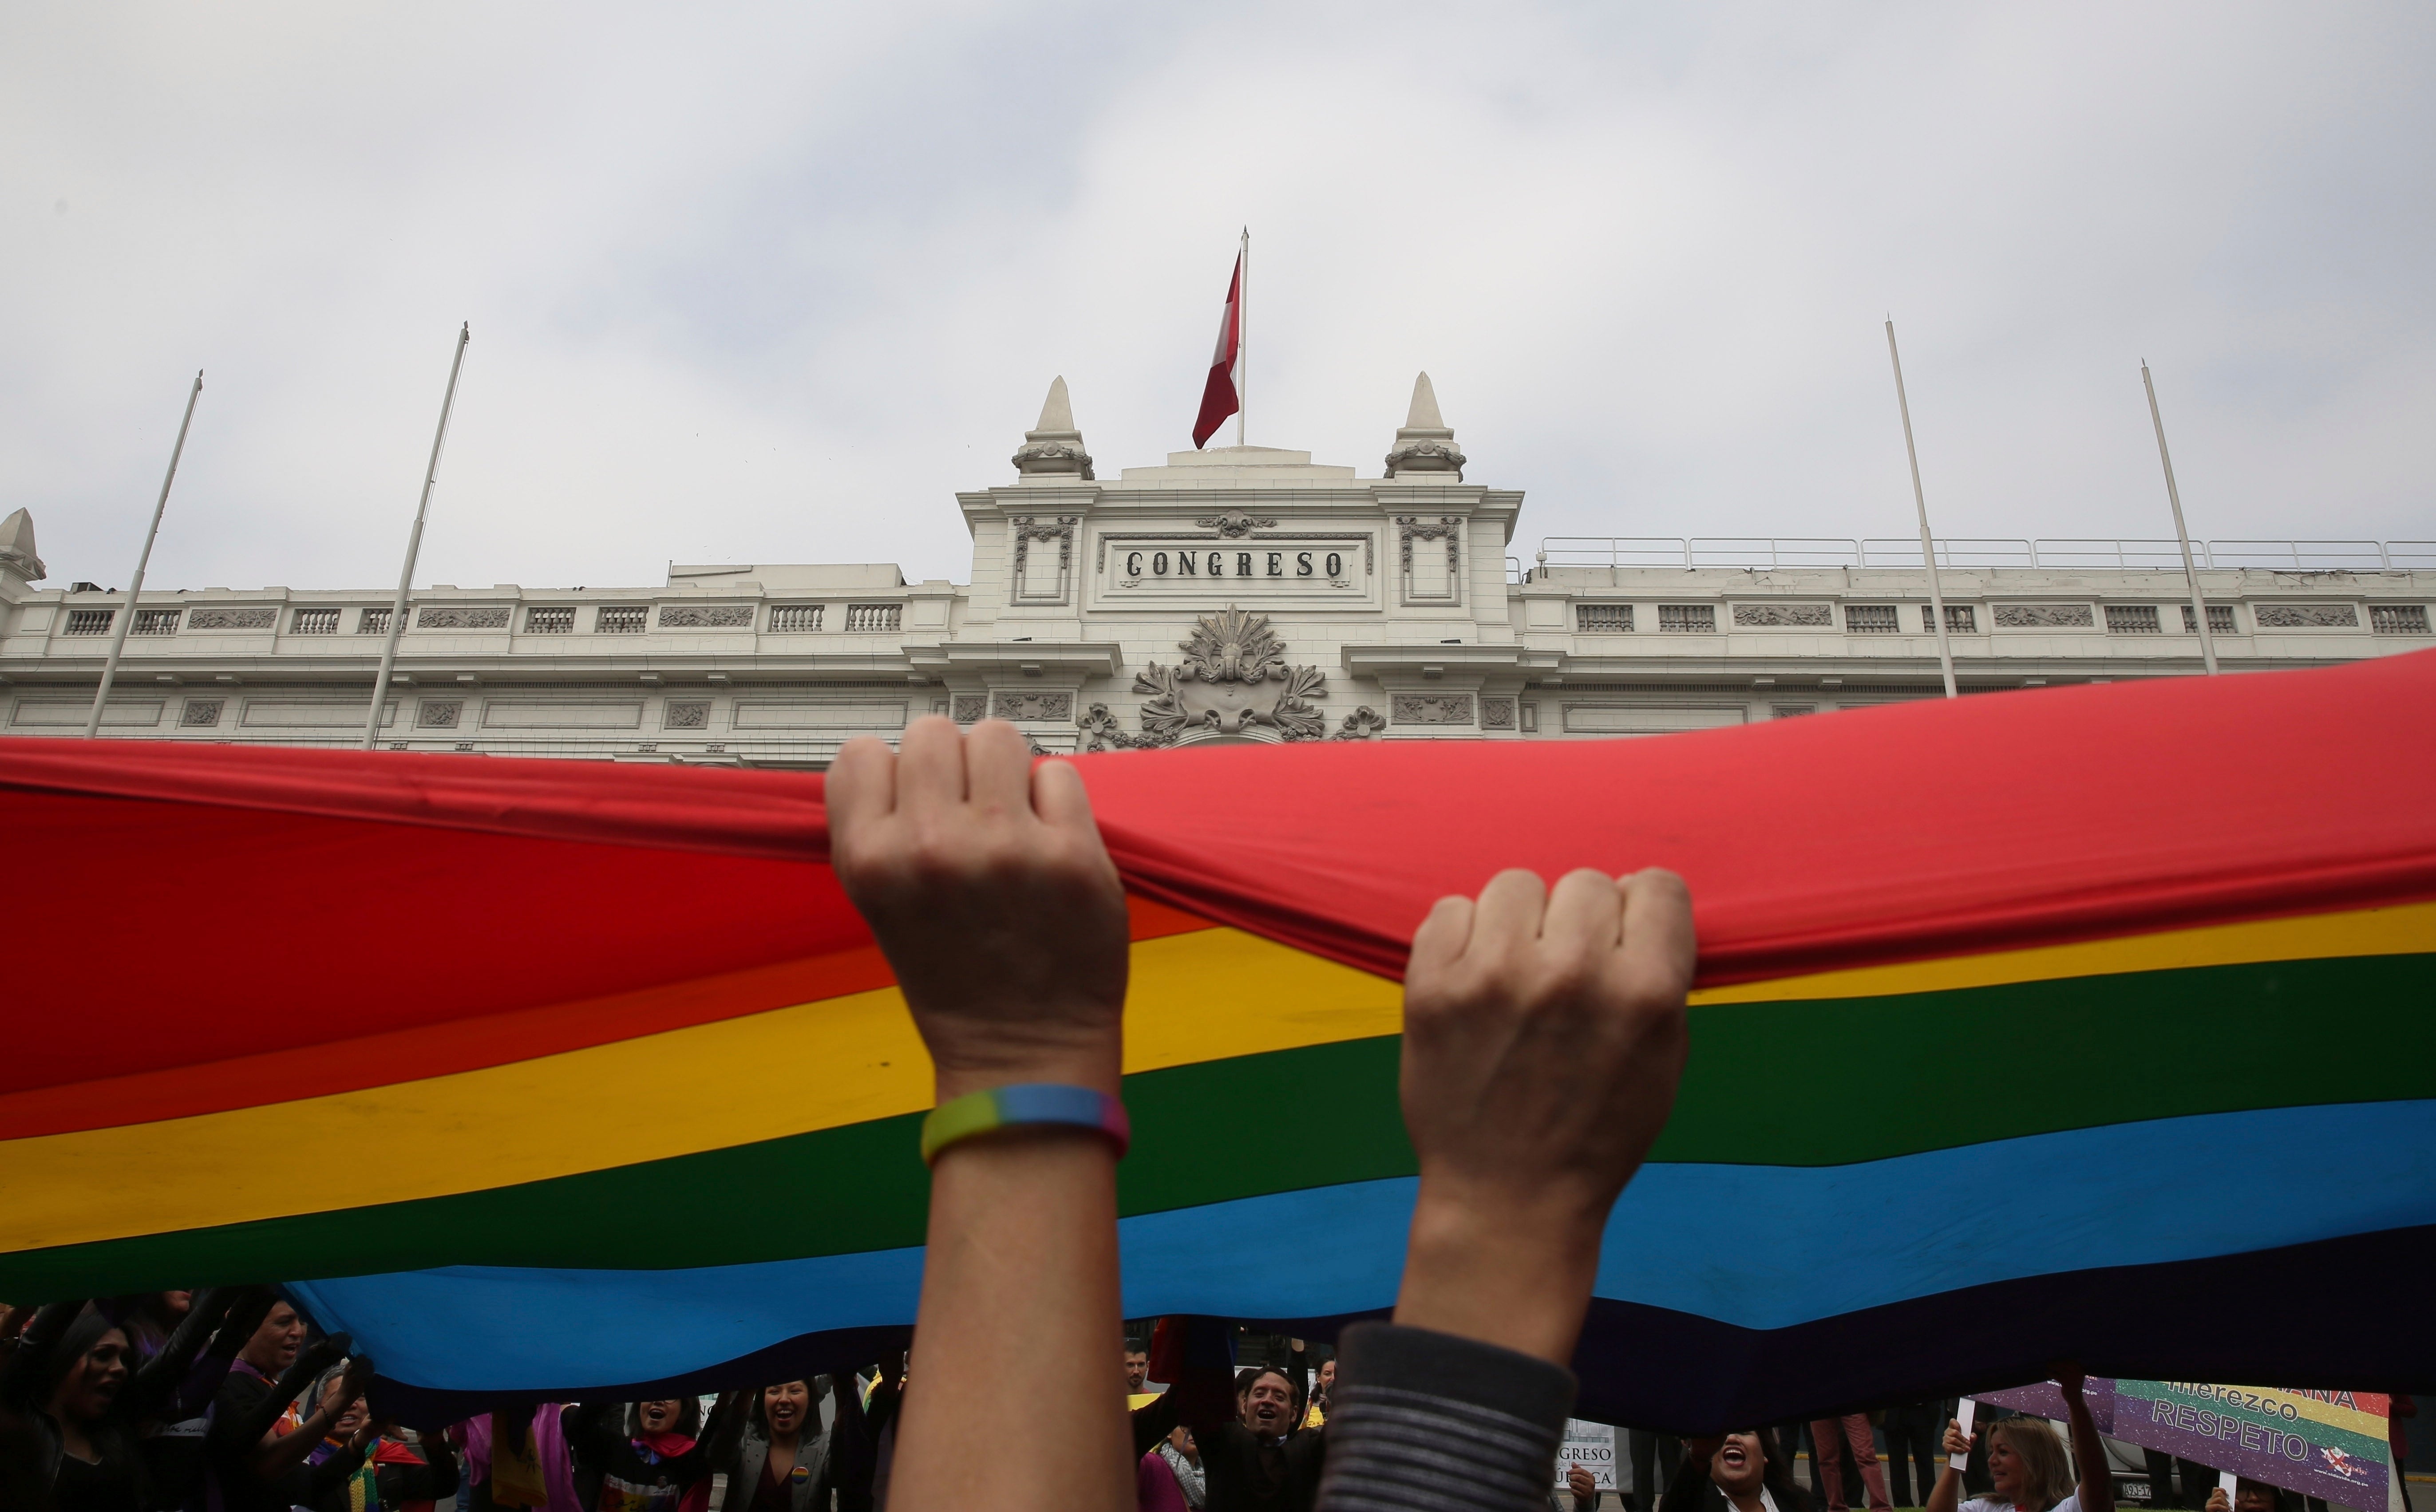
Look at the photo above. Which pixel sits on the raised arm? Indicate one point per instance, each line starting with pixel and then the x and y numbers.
pixel 985 883
pixel 2088 1450
pixel 178 1383
pixel 1544 1038
pixel 1947 1494
pixel 274 1455
pixel 24 1368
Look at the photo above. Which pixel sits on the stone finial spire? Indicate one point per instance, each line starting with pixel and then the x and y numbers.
pixel 1423 444
pixel 17 558
pixel 1054 447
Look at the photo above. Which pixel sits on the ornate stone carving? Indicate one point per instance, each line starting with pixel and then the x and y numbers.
pixel 968 707
pixel 1423 442
pixel 461 618
pixel 1013 705
pixel 1235 524
pixel 1233 646
pixel 705 616
pixel 1432 708
pixel 201 713
pixel 1364 723
pixel 2045 617
pixel 1764 615
pixel 439 713
pixel 1449 529
pixel 1055 446
pixel 1497 714
pixel 1028 528
pixel 1102 732
pixel 2306 617
pixel 243 618
pixel 1222 686
pixel 686 714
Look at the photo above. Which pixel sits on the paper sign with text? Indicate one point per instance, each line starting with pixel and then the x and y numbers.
pixel 1593 1446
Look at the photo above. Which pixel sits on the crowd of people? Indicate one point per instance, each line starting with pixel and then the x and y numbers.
pixel 227 1401
pixel 1544 1038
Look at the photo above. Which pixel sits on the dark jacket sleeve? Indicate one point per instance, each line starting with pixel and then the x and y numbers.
pixel 1428 1422
pixel 854 1455
pixel 324 1485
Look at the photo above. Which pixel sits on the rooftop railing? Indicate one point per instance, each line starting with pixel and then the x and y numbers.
pixel 1775 553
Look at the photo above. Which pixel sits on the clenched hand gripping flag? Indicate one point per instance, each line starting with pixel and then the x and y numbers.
pixel 2092 1022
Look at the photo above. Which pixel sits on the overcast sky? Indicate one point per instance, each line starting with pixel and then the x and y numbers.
pixel 769 284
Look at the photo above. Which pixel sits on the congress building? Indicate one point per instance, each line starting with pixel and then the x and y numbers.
pixel 1237 594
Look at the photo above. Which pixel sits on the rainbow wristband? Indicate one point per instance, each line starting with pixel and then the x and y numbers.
pixel 1003 1108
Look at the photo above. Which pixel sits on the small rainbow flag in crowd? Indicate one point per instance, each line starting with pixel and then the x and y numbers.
pixel 2093 1022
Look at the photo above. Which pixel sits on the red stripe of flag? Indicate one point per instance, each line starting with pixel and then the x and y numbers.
pixel 1219 396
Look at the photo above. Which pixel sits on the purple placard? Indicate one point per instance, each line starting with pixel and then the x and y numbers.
pixel 2285 1438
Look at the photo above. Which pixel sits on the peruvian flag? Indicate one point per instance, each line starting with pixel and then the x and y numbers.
pixel 1223 395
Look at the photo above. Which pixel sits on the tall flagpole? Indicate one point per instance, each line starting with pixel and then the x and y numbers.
pixel 143 559
pixel 1927 541
pixel 2173 496
pixel 1243 351
pixel 413 546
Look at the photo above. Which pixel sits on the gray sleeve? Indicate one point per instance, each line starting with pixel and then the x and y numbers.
pixel 1428 1422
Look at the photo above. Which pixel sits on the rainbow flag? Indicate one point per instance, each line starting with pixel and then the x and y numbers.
pixel 2058 1023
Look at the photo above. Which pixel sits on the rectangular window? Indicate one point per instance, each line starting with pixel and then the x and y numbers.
pixel 372 622
pixel 2132 619
pixel 1603 617
pixel 2398 619
pixel 621 619
pixel 795 618
pixel 1872 620
pixel 157 621
pixel 1687 618
pixel 554 621
pixel 89 621
pixel 860 616
pixel 313 622
pixel 1960 620
pixel 2220 620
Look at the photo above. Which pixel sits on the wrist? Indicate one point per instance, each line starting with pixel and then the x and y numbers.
pixel 1511 1270
pixel 1097 1066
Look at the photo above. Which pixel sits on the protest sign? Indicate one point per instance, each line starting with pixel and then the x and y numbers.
pixel 1590 1445
pixel 2326 1444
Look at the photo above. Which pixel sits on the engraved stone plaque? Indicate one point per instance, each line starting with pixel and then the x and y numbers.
pixel 1768 615
pixel 2306 617
pixel 1432 708
pixel 705 616
pixel 2045 617
pixel 232 618
pixel 439 618
pixel 1034 705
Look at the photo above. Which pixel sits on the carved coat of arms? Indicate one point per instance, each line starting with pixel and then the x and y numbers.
pixel 1233 681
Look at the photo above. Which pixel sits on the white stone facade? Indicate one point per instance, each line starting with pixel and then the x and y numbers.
pixel 1098 616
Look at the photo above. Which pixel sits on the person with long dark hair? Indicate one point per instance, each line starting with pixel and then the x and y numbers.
pixel 1744 1471
pixel 67 1378
pixel 653 1456
pixel 776 1454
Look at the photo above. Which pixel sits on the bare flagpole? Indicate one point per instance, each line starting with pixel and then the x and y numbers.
pixel 143 560
pixel 413 546
pixel 2173 496
pixel 1243 351
pixel 1927 541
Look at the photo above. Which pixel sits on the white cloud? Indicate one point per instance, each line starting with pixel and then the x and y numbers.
pixel 762 284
